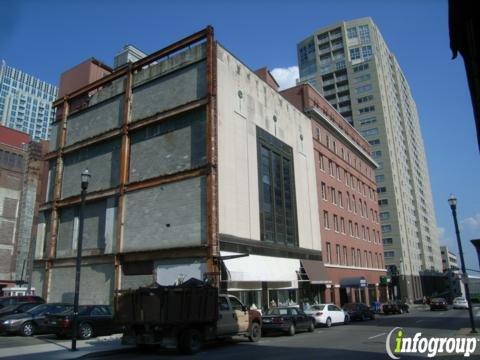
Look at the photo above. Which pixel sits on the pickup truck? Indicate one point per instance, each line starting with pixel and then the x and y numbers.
pixel 183 316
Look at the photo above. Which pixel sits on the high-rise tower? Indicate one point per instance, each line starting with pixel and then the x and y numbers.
pixel 351 65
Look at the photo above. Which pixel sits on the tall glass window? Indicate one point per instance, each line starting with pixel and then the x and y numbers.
pixel 278 217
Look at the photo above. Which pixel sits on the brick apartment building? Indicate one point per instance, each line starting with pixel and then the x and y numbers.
pixel 348 209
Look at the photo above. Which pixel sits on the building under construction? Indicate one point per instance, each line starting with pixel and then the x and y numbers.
pixel 194 159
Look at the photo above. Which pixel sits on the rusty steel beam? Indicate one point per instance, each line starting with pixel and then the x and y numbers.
pixel 124 176
pixel 168 114
pixel 183 43
pixel 211 143
pixel 167 179
pixel 172 253
pixel 110 134
pixel 91 196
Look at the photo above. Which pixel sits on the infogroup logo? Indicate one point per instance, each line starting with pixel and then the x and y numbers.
pixel 430 346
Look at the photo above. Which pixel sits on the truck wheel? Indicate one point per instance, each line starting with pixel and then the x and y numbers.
pixel 255 332
pixel 190 341
pixel 291 330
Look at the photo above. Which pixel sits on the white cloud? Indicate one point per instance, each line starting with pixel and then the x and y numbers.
pixel 286 77
pixel 473 222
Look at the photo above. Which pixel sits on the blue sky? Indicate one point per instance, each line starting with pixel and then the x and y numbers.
pixel 44 38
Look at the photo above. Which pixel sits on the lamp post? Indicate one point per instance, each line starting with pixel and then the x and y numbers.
pixel 452 201
pixel 85 178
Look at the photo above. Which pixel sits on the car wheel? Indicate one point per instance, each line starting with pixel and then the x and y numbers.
pixel 27 329
pixel 190 341
pixel 311 327
pixel 85 331
pixel 255 332
pixel 328 323
pixel 291 330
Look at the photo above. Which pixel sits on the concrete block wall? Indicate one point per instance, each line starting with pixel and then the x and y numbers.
pixel 96 284
pixel 101 159
pixel 166 148
pixel 168 216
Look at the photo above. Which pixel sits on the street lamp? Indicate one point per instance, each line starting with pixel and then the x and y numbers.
pixel 452 201
pixel 85 178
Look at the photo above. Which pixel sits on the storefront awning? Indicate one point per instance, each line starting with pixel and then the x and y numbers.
pixel 316 272
pixel 261 268
pixel 355 282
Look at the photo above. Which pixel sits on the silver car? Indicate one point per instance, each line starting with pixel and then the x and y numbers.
pixel 460 303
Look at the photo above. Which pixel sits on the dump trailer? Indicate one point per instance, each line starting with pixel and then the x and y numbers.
pixel 183 316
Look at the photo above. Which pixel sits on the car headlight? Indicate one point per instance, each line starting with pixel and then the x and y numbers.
pixel 9 322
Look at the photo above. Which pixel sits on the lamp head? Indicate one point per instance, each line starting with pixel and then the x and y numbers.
pixel 85 179
pixel 452 201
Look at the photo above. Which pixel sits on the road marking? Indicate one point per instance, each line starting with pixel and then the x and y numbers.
pixel 373 337
pixel 418 321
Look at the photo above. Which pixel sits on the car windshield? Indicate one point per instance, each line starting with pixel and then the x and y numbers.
pixel 349 306
pixel 318 307
pixel 277 311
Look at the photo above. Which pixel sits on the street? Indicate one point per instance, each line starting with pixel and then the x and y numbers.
pixel 357 340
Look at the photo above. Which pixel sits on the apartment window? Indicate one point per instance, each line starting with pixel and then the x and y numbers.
pixel 339 178
pixel 386 228
pixel 324 191
pixel 384 215
pixel 350 227
pixel 370 264
pixel 354 258
pixel 348 202
pixel 382 202
pixel 387 241
pixel 325 220
pixel 389 254
pixel 355 53
pixel 380 178
pixel 278 218
pixel 361 78
pixel 333 195
pixel 381 189
pixel 367 52
pixel 368 234
pixel 354 204
pixel 347 179
pixel 352 32
pixel 342 225
pixel 321 162
pixel 340 199
pixel 345 256
pixel 365 256
pixel 335 223
pixel 376 154
pixel 364 34
pixel 357 232
pixel 364 99
pixel 373 142
pixel 329 253
pixel 359 258
pixel 360 67
pixel 337 250
pixel 366 121
pixel 331 165
pixel 364 235
pixel 366 109
pixel 363 88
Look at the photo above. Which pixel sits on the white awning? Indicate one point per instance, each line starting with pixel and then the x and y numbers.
pixel 261 268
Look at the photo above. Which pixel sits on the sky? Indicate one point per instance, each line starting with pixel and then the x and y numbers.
pixel 45 38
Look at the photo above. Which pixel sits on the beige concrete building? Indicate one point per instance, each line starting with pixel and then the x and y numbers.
pixel 351 65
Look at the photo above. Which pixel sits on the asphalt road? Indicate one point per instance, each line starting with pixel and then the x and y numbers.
pixel 357 340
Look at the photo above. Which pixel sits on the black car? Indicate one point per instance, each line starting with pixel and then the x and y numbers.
pixel 438 304
pixel 32 321
pixel 395 307
pixel 17 308
pixel 12 300
pixel 93 320
pixel 287 319
pixel 358 311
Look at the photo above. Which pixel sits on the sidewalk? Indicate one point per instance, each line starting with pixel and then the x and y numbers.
pixel 60 349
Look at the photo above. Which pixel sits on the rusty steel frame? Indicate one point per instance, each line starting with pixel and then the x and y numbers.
pixel 211 250
pixel 213 268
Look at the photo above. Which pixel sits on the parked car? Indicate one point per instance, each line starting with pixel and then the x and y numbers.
pixel 460 303
pixel 395 307
pixel 438 304
pixel 17 308
pixel 328 314
pixel 93 320
pixel 32 321
pixel 287 319
pixel 358 311
pixel 12 300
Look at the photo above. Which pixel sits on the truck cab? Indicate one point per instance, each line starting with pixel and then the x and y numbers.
pixel 234 318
